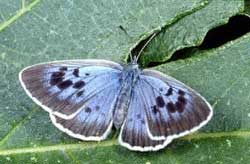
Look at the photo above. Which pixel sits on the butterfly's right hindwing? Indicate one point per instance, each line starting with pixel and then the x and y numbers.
pixel 134 134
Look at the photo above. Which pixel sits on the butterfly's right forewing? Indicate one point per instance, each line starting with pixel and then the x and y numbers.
pixel 172 108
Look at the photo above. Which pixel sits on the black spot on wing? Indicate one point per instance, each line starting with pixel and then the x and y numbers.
pixel 155 109
pixel 179 106
pixel 56 77
pixel 88 110
pixel 160 101
pixel 97 107
pixel 57 74
pixel 54 81
pixel 63 68
pixel 171 107
pixel 86 74
pixel 79 93
pixel 181 103
pixel 182 100
pixel 181 92
pixel 65 84
pixel 142 122
pixel 79 84
pixel 170 91
pixel 76 72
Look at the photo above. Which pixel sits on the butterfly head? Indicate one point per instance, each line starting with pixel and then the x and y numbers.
pixel 133 65
pixel 131 71
pixel 134 60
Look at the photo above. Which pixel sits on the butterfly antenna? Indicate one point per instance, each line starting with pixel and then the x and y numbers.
pixel 149 40
pixel 131 56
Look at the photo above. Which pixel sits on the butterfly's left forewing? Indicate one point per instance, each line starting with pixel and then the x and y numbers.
pixel 63 87
pixel 79 94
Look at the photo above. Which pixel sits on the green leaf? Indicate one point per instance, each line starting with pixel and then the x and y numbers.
pixel 39 31
pixel 45 31
pixel 247 7
pixel 9 9
pixel 191 30
pixel 59 29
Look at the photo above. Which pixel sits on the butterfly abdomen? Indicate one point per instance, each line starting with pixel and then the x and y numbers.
pixel 121 108
pixel 129 78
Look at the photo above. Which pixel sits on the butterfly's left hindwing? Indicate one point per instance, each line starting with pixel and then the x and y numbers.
pixel 94 121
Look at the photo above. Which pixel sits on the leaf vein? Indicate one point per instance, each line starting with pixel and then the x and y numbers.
pixel 227 90
pixel 19 13
pixel 85 145
pixel 13 130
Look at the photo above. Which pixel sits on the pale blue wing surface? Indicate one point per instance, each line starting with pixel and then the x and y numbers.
pixel 95 120
pixel 63 87
pixel 172 108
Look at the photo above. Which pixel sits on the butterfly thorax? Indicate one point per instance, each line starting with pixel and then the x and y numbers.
pixel 129 77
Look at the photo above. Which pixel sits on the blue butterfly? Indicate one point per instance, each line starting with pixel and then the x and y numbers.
pixel 86 98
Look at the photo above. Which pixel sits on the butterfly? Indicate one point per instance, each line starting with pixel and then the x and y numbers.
pixel 86 98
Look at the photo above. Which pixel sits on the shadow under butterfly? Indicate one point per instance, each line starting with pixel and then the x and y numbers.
pixel 86 98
